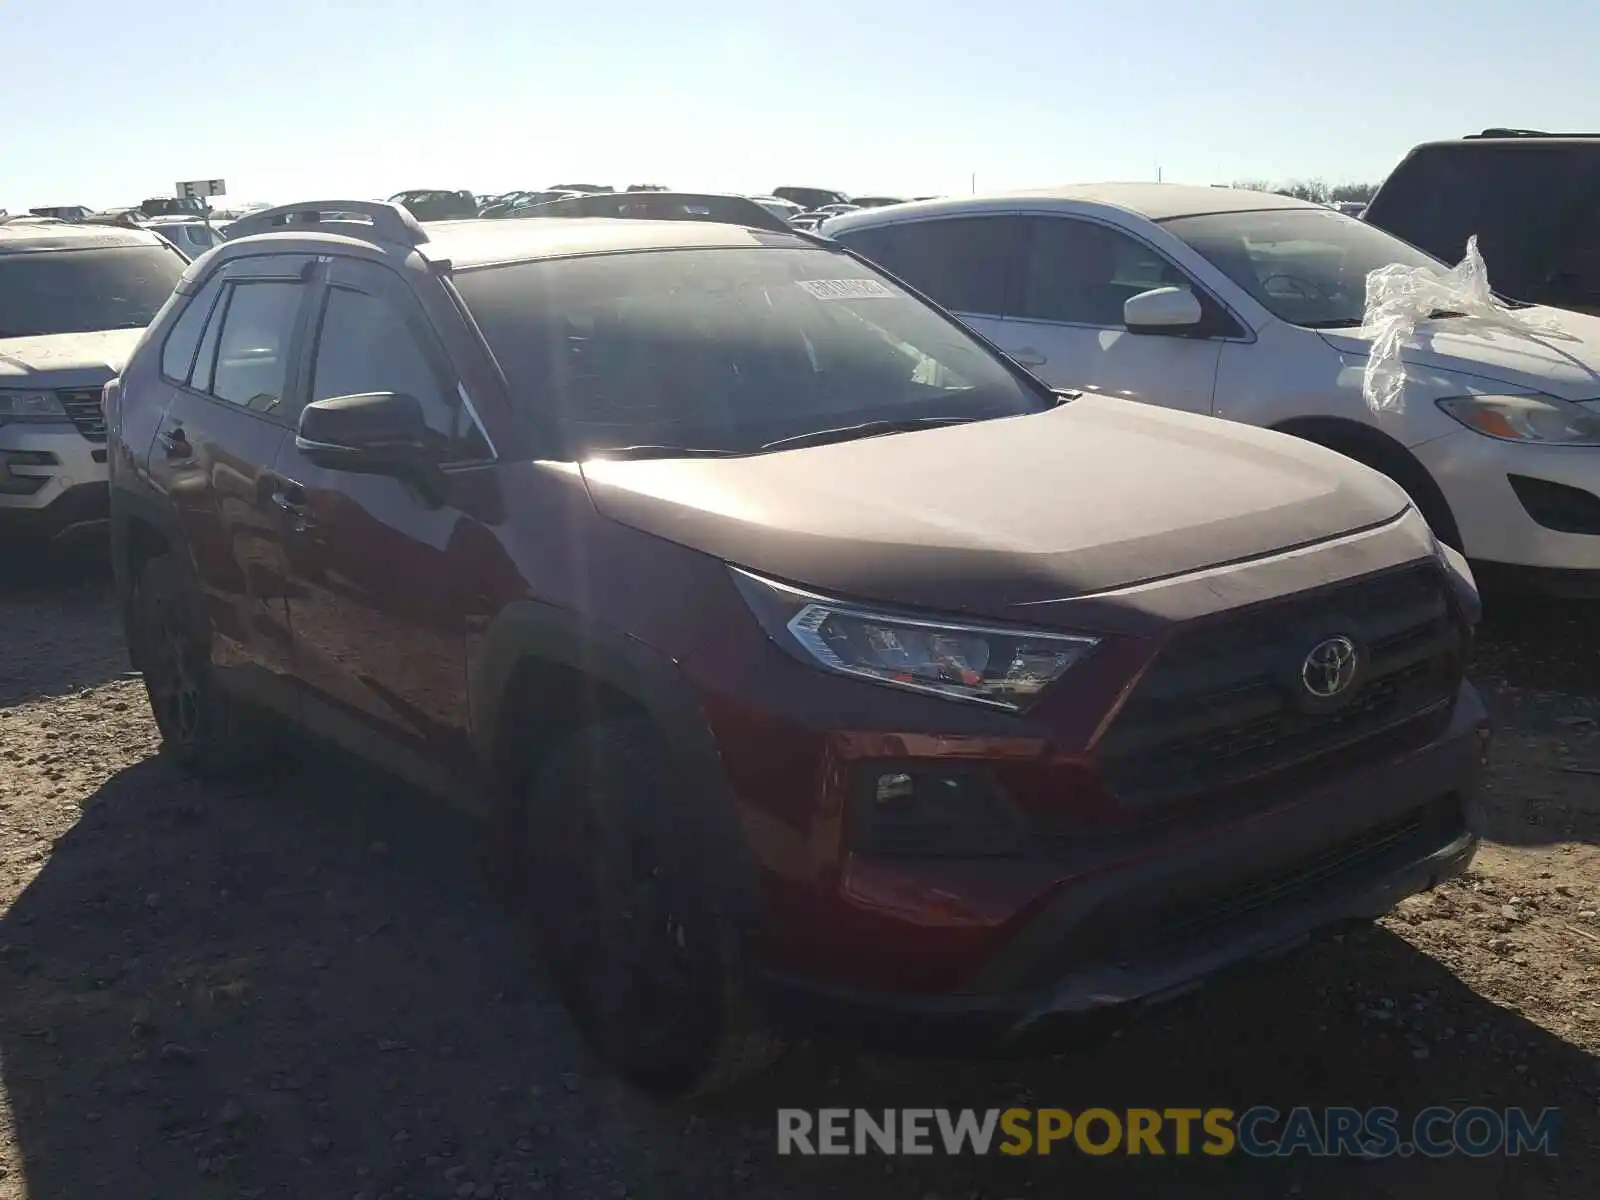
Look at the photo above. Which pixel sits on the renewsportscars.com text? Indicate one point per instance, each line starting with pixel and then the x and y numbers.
pixel 1258 1132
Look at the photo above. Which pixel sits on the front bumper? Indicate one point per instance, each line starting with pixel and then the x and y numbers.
pixel 57 481
pixel 1473 472
pixel 1127 935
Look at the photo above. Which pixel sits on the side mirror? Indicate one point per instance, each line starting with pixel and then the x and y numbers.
pixel 373 433
pixel 1162 310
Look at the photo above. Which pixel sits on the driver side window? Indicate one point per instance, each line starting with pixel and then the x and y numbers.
pixel 366 344
pixel 1081 273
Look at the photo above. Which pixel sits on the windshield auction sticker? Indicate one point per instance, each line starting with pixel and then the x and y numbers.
pixel 846 289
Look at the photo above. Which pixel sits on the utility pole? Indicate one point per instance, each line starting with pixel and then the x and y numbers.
pixel 974 183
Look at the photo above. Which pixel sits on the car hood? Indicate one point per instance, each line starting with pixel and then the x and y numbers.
pixel 1097 494
pixel 65 360
pixel 1564 364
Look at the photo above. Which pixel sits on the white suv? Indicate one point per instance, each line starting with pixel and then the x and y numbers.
pixel 1250 306
pixel 74 300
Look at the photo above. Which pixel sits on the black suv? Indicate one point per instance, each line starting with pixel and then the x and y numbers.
pixel 1532 199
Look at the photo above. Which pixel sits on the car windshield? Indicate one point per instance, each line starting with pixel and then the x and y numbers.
pixel 1307 266
pixel 730 350
pixel 84 291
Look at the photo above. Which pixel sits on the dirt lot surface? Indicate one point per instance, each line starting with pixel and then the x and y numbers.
pixel 302 989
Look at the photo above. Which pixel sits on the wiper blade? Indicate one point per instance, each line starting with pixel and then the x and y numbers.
pixel 846 433
pixel 633 452
pixel 1336 323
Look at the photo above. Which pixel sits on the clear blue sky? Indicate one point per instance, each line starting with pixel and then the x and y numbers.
pixel 293 99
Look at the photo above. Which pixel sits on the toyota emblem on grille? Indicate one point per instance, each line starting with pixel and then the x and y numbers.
pixel 1330 668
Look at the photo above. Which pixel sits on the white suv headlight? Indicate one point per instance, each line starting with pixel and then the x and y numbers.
pixel 985 664
pixel 30 406
pixel 1533 418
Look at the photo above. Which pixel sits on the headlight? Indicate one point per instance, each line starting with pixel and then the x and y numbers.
pixel 985 664
pixel 1527 419
pixel 30 406
pixel 1459 572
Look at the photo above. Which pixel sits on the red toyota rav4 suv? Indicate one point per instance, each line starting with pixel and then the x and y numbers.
pixel 808 657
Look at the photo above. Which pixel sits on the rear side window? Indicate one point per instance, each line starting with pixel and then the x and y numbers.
pixel 961 262
pixel 177 355
pixel 253 343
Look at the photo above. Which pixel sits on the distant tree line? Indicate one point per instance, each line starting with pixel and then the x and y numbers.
pixel 1313 189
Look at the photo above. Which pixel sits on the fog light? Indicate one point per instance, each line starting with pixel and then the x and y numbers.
pixel 957 811
pixel 23 485
pixel 27 458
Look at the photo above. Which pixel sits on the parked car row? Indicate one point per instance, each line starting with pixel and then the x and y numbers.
pixel 875 629
pixel 803 208
pixel 183 221
pixel 659 206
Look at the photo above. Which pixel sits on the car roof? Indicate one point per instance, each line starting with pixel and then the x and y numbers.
pixel 17 237
pixel 475 241
pixel 1154 201
pixel 1532 143
pixel 1518 137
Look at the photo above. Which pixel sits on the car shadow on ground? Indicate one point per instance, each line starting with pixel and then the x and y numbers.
pixel 1537 665
pixel 1540 644
pixel 301 988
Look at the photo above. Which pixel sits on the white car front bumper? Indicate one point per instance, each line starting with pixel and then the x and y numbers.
pixel 52 479
pixel 1560 534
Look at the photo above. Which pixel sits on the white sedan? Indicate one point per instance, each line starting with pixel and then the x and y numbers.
pixel 1250 306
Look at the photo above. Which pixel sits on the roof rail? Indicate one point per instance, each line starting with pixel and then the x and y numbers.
pixel 377 220
pixel 1527 133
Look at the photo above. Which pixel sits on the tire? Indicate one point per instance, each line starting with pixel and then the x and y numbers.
pixel 633 914
pixel 203 731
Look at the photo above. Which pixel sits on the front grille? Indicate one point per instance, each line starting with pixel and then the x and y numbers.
pixel 1221 706
pixel 1185 921
pixel 1168 920
pixel 83 406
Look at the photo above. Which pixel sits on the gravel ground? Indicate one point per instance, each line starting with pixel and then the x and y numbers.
pixel 302 988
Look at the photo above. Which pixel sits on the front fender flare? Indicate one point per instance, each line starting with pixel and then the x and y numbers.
pixel 527 630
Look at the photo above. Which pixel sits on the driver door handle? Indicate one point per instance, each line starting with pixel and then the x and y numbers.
pixel 1028 357
pixel 174 444
pixel 289 498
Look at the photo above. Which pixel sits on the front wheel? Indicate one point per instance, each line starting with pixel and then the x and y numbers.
pixel 202 730
pixel 631 916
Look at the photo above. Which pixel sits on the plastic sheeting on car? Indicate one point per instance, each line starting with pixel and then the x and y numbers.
pixel 1400 297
